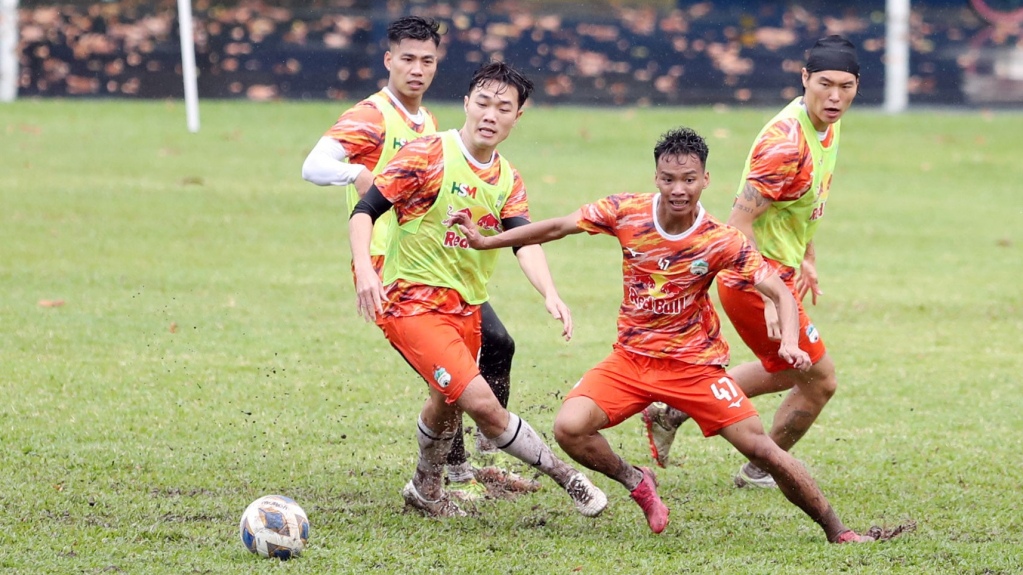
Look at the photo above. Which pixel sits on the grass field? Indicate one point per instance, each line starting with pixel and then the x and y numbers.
pixel 208 351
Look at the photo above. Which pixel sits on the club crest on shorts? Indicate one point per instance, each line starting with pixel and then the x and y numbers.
pixel 699 268
pixel 812 334
pixel 441 376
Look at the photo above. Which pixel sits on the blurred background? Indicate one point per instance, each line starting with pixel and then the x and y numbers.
pixel 962 52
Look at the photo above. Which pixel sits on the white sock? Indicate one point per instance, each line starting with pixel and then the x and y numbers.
pixel 433 454
pixel 521 441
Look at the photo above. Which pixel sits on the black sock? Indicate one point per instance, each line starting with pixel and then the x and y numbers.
pixel 457 454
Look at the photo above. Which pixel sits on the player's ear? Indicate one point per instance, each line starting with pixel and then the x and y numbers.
pixel 517 116
pixel 706 179
pixel 465 104
pixel 387 60
pixel 806 78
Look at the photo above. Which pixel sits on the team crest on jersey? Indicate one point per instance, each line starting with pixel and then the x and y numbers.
pixel 699 268
pixel 812 334
pixel 441 376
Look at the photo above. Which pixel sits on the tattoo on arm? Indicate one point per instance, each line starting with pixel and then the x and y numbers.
pixel 750 194
pixel 737 206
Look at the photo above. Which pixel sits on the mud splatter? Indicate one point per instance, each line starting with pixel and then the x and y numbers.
pixel 885 533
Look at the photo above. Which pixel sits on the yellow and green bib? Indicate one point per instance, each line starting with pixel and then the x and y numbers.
pixel 784 230
pixel 397 133
pixel 426 251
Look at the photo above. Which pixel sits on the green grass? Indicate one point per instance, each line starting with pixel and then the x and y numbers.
pixel 124 444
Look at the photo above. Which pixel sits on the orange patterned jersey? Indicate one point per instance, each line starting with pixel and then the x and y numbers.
pixel 360 129
pixel 666 311
pixel 411 181
pixel 781 167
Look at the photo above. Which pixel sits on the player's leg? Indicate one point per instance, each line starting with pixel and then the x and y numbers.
pixel 517 438
pixel 795 483
pixel 809 390
pixel 577 432
pixel 605 396
pixel 433 344
pixel 496 352
pixel 443 348
pixel 495 363
pixel 438 423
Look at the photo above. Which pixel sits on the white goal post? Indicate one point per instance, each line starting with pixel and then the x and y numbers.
pixel 896 56
pixel 188 65
pixel 8 50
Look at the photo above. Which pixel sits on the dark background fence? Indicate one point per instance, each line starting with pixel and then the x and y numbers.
pixel 643 53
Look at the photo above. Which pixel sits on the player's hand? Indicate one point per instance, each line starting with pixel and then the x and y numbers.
pixel 369 292
pixel 464 223
pixel 771 319
pixel 807 281
pixel 560 311
pixel 795 357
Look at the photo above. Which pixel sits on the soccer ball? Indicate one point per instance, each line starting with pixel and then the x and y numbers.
pixel 274 526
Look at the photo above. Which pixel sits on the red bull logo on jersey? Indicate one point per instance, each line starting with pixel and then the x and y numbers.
pixel 487 223
pixel 657 294
pixel 463 190
pixel 822 198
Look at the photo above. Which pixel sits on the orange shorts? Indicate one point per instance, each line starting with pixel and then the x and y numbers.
pixel 745 309
pixel 625 383
pixel 441 347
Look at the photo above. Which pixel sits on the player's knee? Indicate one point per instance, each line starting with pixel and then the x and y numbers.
pixel 498 342
pixel 822 388
pixel 568 430
pixel 764 452
pixel 488 414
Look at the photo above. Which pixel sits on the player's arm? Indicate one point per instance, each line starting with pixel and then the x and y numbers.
pixel 533 262
pixel 746 208
pixel 807 280
pixel 776 291
pixel 533 233
pixel 368 288
pixel 325 166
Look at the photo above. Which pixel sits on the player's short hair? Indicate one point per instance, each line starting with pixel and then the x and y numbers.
pixel 504 74
pixel 413 28
pixel 681 142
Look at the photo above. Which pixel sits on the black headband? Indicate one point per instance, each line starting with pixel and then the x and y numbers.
pixel 833 53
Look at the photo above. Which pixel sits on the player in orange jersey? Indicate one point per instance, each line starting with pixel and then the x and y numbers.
pixel 778 206
pixel 669 344
pixel 357 147
pixel 428 299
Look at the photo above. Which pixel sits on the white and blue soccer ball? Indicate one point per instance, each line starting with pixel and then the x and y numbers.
pixel 275 526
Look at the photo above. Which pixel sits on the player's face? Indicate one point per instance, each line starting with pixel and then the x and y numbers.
pixel 681 181
pixel 491 111
pixel 828 95
pixel 412 65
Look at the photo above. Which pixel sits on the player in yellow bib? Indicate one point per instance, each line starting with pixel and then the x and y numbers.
pixel 359 145
pixel 779 204
pixel 428 303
